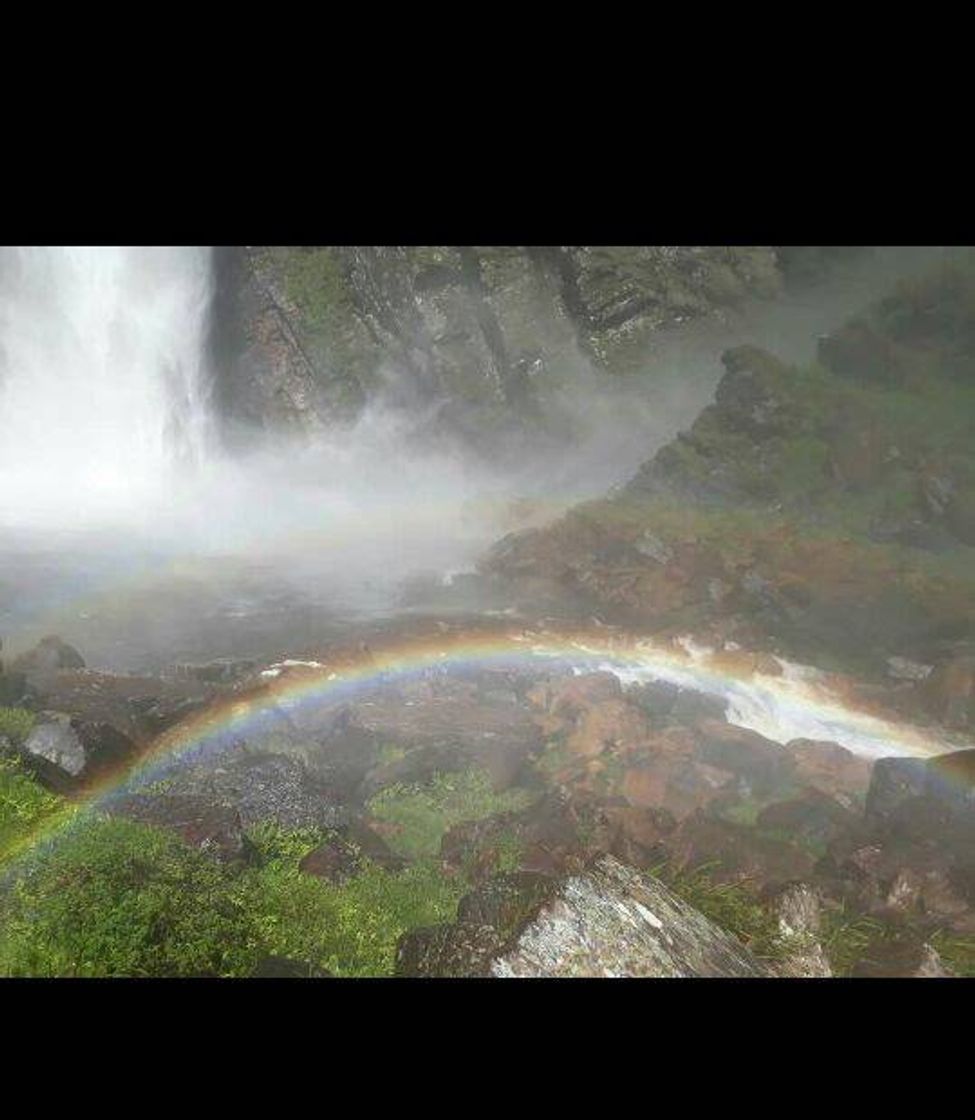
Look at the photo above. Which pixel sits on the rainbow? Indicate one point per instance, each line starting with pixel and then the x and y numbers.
pixel 792 703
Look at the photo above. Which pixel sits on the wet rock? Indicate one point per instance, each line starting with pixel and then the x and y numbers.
pixel 608 920
pixel 903 669
pixel 657 698
pixel 892 782
pixel 692 707
pixel 335 860
pixel 551 836
pixel 213 828
pixel 858 350
pixel 674 784
pixel 798 910
pixel 615 921
pixel 900 956
pixel 812 818
pixel 573 696
pixel 261 787
pixel 738 852
pixel 749 395
pixel 372 846
pixel 645 828
pixel 448 951
pixel 654 547
pixel 68 752
pixel 608 725
pixel 924 799
pixel 505 901
pixel 13 689
pixel 764 764
pixel 830 768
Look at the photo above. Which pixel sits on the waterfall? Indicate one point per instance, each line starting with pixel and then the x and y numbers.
pixel 103 387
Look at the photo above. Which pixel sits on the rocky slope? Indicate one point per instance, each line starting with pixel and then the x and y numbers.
pixel 490 801
pixel 822 512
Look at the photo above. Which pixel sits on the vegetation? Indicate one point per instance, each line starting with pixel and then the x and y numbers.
pixel 16 724
pixel 116 898
pixel 24 806
pixel 958 953
pixel 421 814
pixel 845 938
pixel 732 906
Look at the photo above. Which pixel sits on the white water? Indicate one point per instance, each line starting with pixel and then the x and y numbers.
pixel 103 394
pixel 799 704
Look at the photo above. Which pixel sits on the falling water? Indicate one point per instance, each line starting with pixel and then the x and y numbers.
pixel 103 391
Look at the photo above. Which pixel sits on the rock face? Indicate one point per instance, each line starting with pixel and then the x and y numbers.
pixel 609 921
pixel 304 336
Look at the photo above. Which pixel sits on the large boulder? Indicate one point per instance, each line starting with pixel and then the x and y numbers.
pixel 68 753
pixel 47 657
pixel 261 786
pixel 609 921
pixel 764 765
pixel 831 769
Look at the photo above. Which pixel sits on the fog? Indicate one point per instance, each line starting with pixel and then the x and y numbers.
pixel 121 512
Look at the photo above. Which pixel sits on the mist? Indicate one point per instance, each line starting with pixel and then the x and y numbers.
pixel 115 482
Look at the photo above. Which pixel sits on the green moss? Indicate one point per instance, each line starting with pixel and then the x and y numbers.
pixel 116 898
pixel 423 813
pixel 16 724
pixel 316 283
pixel 24 806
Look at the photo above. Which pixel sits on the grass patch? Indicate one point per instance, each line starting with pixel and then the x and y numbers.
pixel 24 806
pixel 117 898
pixel 845 937
pixel 423 813
pixel 16 724
pixel 732 906
pixel 958 953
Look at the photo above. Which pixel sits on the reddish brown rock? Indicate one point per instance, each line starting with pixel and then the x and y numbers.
pixel 830 768
pixel 737 852
pixel 334 861
pixel 678 785
pixel 608 725
pixel 761 762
